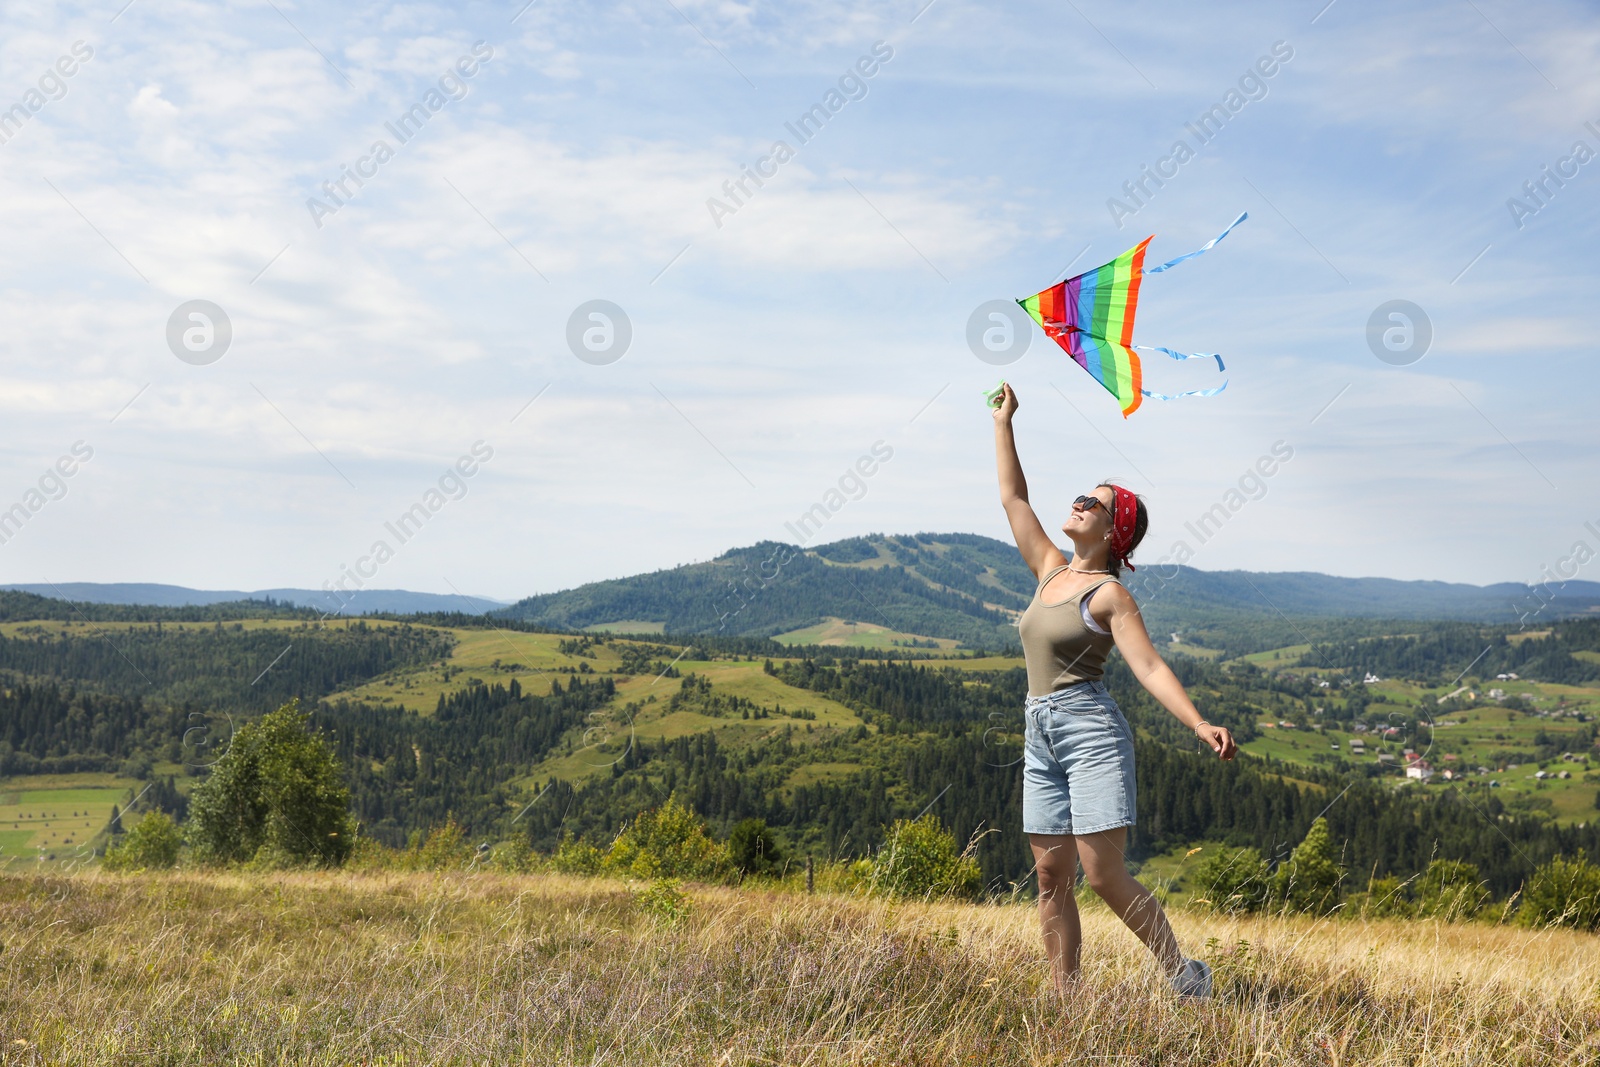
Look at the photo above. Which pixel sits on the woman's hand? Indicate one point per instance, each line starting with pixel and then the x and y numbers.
pixel 1007 406
pixel 1220 740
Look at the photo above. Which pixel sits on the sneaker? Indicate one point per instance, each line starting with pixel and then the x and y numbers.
pixel 1194 980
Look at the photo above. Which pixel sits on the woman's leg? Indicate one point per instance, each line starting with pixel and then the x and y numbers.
pixel 1106 871
pixel 1055 858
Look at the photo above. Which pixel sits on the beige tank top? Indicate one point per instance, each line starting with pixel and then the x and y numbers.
pixel 1057 643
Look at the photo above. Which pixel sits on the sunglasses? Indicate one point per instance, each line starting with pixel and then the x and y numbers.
pixel 1089 503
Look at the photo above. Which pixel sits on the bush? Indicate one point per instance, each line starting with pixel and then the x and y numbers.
pixel 666 842
pixel 1309 879
pixel 573 856
pixel 443 848
pixel 1385 898
pixel 513 857
pixel 1562 893
pixel 919 859
pixel 368 854
pixel 1451 890
pixel 1234 879
pixel 154 842
pixel 664 900
pixel 275 798
pixel 752 849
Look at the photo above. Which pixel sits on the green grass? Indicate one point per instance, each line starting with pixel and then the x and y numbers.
pixel 63 813
pixel 531 659
pixel 56 798
pixel 813 773
pixel 1185 649
pixel 836 631
pixel 14 842
pixel 1168 873
pixel 653 722
pixel 1277 657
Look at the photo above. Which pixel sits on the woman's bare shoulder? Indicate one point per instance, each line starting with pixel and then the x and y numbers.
pixel 1116 596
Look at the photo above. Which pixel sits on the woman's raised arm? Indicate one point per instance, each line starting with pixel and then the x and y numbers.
pixel 1038 551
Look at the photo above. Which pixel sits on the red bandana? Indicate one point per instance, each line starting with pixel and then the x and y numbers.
pixel 1125 512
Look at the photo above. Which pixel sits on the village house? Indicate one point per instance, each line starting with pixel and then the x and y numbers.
pixel 1418 768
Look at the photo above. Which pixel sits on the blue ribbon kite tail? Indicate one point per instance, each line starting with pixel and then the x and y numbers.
pixel 1182 355
pixel 1192 392
pixel 1169 264
pixel 1208 246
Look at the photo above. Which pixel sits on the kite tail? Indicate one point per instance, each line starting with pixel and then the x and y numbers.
pixel 1182 355
pixel 1205 248
pixel 1192 392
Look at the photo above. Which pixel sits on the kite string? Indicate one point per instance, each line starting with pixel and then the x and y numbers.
pixel 1205 248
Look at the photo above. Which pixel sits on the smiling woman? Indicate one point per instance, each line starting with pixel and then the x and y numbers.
pixel 1078 792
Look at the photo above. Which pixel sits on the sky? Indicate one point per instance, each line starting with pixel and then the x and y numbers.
pixel 421 339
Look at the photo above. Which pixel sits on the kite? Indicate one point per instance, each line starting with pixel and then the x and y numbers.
pixel 1091 318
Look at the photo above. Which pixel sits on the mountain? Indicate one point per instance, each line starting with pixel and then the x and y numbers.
pixel 970 588
pixel 367 601
pixel 957 586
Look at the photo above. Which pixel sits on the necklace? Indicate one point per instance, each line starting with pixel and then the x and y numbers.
pixel 1075 570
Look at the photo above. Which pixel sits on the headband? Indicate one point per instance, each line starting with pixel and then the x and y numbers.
pixel 1125 512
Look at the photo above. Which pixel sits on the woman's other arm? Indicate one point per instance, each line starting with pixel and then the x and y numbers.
pixel 1133 641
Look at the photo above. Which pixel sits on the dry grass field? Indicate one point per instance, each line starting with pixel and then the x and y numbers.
pixel 337 968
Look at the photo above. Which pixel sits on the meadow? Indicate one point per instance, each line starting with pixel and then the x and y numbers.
pixel 58 817
pixel 458 968
pixel 835 631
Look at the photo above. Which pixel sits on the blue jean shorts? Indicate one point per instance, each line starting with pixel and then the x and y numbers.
pixel 1077 768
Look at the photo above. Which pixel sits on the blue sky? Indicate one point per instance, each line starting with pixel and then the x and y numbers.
pixel 828 312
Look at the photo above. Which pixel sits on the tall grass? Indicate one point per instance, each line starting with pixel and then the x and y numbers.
pixel 410 968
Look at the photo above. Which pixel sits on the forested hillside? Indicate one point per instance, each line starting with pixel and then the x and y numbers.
pixel 947 740
pixel 1447 651
pixel 220 664
pixel 770 588
pixel 515 731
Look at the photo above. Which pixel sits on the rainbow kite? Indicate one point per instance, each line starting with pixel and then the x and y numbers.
pixel 1091 318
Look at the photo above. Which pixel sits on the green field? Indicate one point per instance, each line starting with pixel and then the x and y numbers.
pixel 845 632
pixel 627 626
pixel 1463 741
pixel 58 816
pixel 611 728
pixel 492 657
pixel 1483 734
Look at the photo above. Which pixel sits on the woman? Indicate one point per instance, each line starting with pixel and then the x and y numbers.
pixel 1078 780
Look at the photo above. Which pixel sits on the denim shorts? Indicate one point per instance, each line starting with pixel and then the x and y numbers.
pixel 1077 768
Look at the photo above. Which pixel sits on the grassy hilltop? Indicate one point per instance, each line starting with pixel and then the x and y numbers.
pixel 340 969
